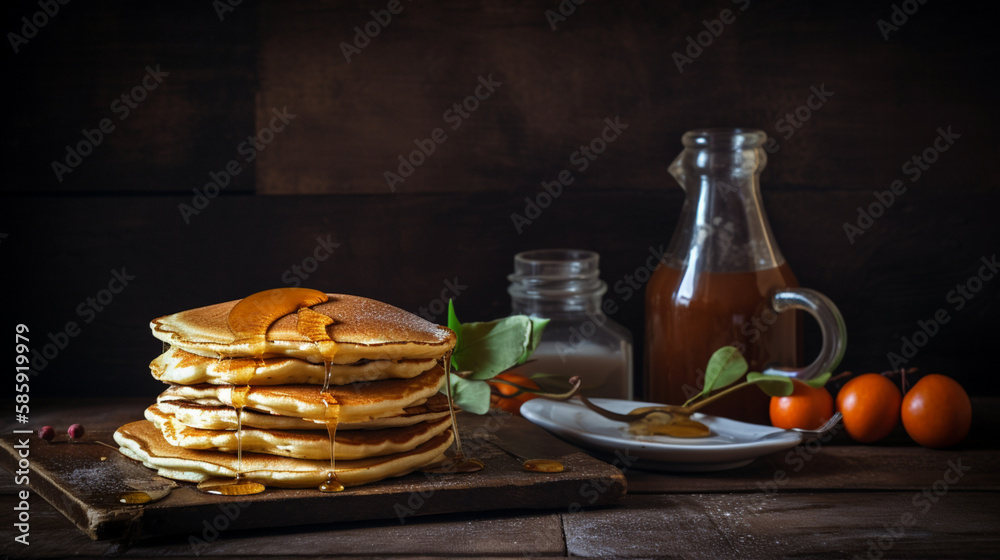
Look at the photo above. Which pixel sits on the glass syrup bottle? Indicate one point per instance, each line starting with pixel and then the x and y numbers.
pixel 723 281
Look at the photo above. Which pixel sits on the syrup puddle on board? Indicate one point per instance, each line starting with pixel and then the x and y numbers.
pixel 534 465
pixel 139 497
pixel 543 466
pixel 146 491
pixel 134 498
pixel 239 486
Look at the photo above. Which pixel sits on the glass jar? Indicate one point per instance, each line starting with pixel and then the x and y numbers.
pixel 563 285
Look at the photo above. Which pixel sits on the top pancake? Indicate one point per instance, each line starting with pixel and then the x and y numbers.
pixel 362 329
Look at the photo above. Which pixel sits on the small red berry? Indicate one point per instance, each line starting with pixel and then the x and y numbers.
pixel 47 433
pixel 75 431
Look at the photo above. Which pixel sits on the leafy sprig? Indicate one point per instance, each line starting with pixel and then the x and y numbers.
pixel 484 350
pixel 726 366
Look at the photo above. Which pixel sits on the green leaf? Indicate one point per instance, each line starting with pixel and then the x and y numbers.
pixel 818 382
pixel 470 395
pixel 774 385
pixel 724 367
pixel 454 325
pixel 537 326
pixel 490 348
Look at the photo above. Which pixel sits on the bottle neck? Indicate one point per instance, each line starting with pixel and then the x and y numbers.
pixel 722 227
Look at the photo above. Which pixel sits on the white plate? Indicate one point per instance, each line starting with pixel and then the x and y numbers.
pixel 732 444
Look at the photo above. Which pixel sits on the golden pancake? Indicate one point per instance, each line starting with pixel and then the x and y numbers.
pixel 301 444
pixel 178 366
pixel 222 417
pixel 362 329
pixel 143 442
pixel 359 402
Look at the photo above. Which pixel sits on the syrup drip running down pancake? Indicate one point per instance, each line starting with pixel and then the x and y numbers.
pixel 249 321
pixel 314 326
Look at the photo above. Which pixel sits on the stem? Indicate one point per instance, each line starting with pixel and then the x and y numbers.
pixel 451 403
pixel 903 372
pixel 840 375
pixel 697 406
pixel 669 409
pixel 606 413
pixel 576 382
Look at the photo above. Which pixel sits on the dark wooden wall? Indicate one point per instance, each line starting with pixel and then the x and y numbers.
pixel 322 175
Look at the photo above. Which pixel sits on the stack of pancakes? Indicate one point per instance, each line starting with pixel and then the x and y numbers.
pixel 259 386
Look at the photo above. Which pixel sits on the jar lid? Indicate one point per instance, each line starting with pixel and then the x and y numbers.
pixel 556 274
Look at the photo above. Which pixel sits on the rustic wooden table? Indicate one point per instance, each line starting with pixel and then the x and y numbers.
pixel 836 499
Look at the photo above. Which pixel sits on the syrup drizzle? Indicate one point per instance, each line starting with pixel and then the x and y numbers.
pixel 458 462
pixel 241 485
pixel 252 316
pixel 332 483
pixel 667 424
pixel 239 398
pixel 314 325
pixel 249 321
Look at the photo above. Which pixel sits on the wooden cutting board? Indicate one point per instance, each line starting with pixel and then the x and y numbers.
pixel 83 480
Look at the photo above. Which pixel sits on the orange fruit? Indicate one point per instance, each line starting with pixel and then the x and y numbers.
pixel 937 412
pixel 506 401
pixel 870 404
pixel 806 408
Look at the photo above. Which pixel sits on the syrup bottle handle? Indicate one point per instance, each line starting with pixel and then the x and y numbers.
pixel 831 323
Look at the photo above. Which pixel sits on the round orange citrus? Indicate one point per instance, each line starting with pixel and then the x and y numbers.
pixel 870 405
pixel 507 402
pixel 937 412
pixel 806 408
